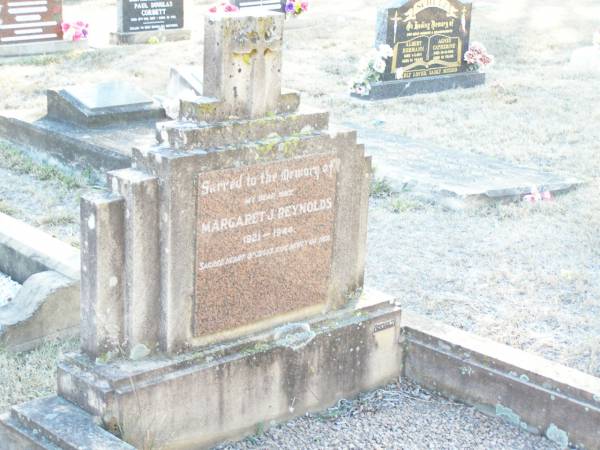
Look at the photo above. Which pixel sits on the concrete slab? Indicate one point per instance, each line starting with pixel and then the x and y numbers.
pixel 25 250
pixel 452 176
pixel 41 48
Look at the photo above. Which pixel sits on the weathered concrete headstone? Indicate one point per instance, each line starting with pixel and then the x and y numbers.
pixel 32 27
pixel 429 39
pixel 144 21
pixel 220 271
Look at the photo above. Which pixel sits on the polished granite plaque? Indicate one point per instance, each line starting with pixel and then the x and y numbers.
pixel 140 15
pixel 428 38
pixel 25 21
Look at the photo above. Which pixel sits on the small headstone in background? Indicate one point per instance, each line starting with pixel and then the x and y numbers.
pixel 149 21
pixel 32 27
pixel 429 39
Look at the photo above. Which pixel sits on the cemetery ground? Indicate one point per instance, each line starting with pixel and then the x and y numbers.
pixel 524 275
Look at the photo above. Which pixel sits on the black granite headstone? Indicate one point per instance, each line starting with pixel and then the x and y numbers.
pixel 428 37
pixel 149 15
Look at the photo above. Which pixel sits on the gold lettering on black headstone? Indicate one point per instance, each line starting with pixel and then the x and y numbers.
pixel 428 38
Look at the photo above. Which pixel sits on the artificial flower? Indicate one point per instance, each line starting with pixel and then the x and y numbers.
pixel 223 7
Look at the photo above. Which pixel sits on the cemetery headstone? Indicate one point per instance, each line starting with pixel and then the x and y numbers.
pixel 149 21
pixel 28 27
pixel 429 39
pixel 224 268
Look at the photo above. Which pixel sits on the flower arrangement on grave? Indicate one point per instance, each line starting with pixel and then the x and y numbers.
pixel 75 31
pixel 223 7
pixel 372 67
pixel 537 196
pixel 295 7
pixel 596 39
pixel 477 57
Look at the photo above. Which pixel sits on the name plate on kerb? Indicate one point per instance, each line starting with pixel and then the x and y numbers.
pixel 264 241
pixel 23 21
pixel 152 15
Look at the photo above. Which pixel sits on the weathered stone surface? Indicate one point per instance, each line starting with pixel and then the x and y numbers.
pixel 42 48
pixel 142 256
pixel 102 273
pixel 102 104
pixel 46 307
pixel 453 177
pixel 102 149
pixel 26 250
pixel 185 135
pixel 53 423
pixel 178 171
pixel 271 376
pixel 526 390
pixel 146 37
pixel 242 61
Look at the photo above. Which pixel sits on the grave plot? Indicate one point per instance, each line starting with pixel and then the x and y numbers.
pixel 523 274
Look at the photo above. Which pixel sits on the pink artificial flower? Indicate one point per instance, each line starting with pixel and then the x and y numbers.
pixel 223 7
pixel 304 6
pixel 65 26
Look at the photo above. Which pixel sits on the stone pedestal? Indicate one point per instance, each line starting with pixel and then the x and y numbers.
pixel 220 273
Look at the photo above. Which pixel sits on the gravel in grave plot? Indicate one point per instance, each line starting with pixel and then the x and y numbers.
pixel 8 289
pixel 400 416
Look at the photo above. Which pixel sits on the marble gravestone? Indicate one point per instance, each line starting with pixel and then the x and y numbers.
pixel 32 27
pixel 429 39
pixel 148 21
pixel 221 274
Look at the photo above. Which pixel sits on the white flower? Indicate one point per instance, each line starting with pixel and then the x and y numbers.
pixel 379 65
pixel 399 73
pixel 385 51
pixel 68 35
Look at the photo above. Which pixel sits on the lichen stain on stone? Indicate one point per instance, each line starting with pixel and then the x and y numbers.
pixel 509 416
pixel 557 436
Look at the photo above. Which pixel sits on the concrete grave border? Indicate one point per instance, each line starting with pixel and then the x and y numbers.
pixel 47 306
pixel 530 392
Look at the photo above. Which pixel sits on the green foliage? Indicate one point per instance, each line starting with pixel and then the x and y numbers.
pixel 380 187
pixel 12 159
